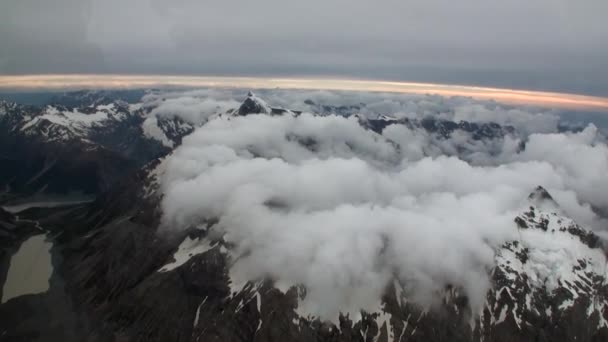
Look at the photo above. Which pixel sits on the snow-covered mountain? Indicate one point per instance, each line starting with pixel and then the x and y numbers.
pixel 63 124
pixel 90 136
pixel 107 125
pixel 89 133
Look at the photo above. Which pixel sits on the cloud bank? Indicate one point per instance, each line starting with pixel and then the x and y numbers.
pixel 192 106
pixel 322 201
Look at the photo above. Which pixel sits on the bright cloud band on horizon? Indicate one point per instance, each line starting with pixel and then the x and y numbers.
pixel 509 96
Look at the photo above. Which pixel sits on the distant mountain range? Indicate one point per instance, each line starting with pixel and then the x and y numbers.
pixel 83 142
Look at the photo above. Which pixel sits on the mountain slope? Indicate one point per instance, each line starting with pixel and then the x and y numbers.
pixel 82 142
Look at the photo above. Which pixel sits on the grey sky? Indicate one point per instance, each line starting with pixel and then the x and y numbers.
pixel 538 44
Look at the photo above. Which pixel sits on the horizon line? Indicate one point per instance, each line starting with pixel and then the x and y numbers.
pixel 557 100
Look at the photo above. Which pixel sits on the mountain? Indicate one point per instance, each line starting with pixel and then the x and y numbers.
pixel 93 98
pixel 324 109
pixel 441 127
pixel 117 278
pixel 255 105
pixel 82 143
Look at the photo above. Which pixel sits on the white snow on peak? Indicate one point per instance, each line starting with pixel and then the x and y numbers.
pixel 153 131
pixel 186 250
pixel 3 108
pixel 555 256
pixel 135 106
pixel 154 177
pixel 67 124
pixel 550 255
pixel 383 321
pixel 398 292
pixel 263 104
pixel 109 107
pixel 387 118
pixel 198 312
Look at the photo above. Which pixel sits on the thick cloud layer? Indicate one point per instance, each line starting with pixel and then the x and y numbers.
pixel 323 202
pixel 192 106
pixel 197 106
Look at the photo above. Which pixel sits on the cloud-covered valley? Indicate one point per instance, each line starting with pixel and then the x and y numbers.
pixel 323 198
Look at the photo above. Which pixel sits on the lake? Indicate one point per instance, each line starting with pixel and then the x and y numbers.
pixel 30 268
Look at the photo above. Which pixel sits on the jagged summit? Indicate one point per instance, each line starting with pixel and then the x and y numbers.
pixel 254 105
pixel 540 197
pixel 540 193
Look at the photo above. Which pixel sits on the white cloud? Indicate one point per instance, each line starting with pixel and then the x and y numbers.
pixel 321 201
pixel 526 121
pixel 193 106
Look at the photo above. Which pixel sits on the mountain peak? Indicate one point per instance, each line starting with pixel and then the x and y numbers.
pixel 254 105
pixel 540 194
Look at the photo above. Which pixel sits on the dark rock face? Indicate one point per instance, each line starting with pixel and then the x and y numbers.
pixel 443 128
pixel 175 129
pixel 48 316
pixel 32 167
pixel 253 105
pixel 541 194
pixel 324 109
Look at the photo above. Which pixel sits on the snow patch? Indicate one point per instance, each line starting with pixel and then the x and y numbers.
pixel 198 312
pixel 384 320
pixel 502 316
pixel 68 124
pixel 186 250
pixel 153 131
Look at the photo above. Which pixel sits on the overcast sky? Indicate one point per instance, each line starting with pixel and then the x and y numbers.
pixel 558 45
